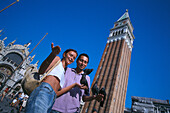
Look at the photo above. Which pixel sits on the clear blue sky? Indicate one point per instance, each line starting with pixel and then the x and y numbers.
pixel 84 25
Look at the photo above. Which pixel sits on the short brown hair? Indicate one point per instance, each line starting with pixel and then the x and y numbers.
pixel 66 51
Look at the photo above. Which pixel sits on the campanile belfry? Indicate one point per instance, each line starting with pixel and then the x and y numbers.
pixel 113 69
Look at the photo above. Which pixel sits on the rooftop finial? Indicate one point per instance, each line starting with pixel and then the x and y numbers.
pixel 126 10
pixel 13 42
pixel 36 64
pixel 26 45
pixel 1 30
pixel 32 58
pixel 5 38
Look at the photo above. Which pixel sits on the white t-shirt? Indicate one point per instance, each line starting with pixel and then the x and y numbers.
pixel 15 100
pixel 58 72
pixel 24 102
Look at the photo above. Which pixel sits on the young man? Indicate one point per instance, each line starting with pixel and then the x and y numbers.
pixel 42 98
pixel 71 100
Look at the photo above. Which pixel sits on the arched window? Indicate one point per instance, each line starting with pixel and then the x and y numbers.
pixel 15 57
pixel 116 32
pixel 119 32
pixel 14 92
pixel 113 33
pixel 122 31
pixel 17 88
pixel 2 77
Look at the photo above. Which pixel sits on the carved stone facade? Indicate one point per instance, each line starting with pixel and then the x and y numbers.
pixel 148 105
pixel 14 61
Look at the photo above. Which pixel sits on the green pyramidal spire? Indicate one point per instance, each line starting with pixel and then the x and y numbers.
pixel 125 15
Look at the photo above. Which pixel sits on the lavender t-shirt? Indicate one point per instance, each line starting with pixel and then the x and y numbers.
pixel 70 101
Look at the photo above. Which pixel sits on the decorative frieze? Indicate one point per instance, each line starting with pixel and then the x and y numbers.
pixel 11 56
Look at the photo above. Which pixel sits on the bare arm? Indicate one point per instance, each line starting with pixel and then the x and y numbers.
pixel 64 90
pixel 98 97
pixel 50 60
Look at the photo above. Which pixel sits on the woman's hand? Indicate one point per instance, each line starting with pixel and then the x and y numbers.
pixel 81 86
pixel 55 50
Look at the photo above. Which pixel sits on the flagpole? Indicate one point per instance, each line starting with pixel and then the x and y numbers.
pixel 31 52
pixel 9 5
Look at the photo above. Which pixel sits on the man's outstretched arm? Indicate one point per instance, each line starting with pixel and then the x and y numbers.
pixel 98 97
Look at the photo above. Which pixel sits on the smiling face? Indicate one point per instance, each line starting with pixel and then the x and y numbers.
pixel 82 62
pixel 69 57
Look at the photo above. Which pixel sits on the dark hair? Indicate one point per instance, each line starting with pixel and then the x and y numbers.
pixel 83 54
pixel 66 51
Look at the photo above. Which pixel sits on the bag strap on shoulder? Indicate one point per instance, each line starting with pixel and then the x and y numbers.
pixel 45 74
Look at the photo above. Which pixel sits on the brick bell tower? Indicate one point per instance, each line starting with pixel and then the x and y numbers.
pixel 113 69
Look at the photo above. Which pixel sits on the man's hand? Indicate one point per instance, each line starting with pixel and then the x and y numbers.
pixel 99 97
pixel 55 50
